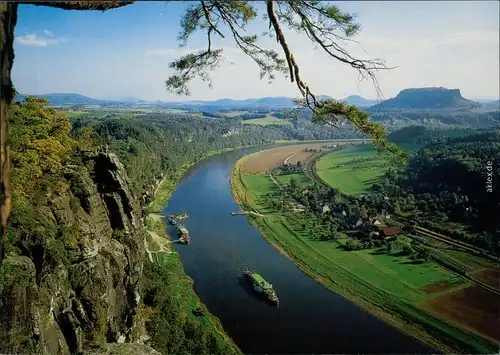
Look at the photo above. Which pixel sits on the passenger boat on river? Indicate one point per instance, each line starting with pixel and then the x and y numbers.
pixel 261 286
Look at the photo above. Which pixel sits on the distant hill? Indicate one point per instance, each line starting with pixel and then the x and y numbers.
pixel 254 103
pixel 359 101
pixel 492 104
pixel 410 99
pixel 66 99
pixel 427 98
pixel 132 99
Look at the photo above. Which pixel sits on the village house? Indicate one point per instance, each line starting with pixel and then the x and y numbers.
pixel 389 232
pixel 385 215
pixel 338 212
pixel 297 207
pixel 364 223
pixel 378 221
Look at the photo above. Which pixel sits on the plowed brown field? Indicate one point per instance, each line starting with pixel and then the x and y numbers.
pixel 473 308
pixel 440 286
pixel 490 277
pixel 269 159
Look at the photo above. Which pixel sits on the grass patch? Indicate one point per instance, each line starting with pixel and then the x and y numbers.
pixel 282 141
pixel 232 113
pixel 352 170
pixel 355 169
pixel 301 179
pixel 73 114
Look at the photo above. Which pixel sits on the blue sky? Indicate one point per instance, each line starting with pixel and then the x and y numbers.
pixel 126 51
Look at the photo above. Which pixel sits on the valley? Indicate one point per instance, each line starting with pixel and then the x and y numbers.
pixel 304 186
pixel 241 177
pixel 339 226
pixel 436 107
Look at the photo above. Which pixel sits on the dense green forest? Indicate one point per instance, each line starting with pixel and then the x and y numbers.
pixel 422 135
pixel 446 181
pixel 453 179
pixel 50 165
pixel 155 143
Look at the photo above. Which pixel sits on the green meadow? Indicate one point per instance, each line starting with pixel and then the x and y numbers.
pixel 352 170
pixel 301 179
pixel 387 285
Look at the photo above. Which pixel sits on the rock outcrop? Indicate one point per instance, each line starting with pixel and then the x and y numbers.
pixel 426 98
pixel 75 287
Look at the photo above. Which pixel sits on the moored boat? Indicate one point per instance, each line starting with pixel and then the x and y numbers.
pixel 261 286
pixel 183 234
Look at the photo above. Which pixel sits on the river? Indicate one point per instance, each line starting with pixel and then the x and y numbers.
pixel 311 319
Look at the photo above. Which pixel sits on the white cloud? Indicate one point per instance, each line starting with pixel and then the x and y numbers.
pixel 31 39
pixel 48 33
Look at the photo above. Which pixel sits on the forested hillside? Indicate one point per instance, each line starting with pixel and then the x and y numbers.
pixel 76 231
pixel 77 234
pixel 422 135
pixel 453 179
pixel 155 144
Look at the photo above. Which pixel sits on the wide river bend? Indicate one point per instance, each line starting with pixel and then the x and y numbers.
pixel 311 319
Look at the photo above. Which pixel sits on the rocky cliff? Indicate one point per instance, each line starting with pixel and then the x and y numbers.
pixel 73 285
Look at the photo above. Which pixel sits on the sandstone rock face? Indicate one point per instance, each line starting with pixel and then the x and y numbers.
pixel 125 349
pixel 77 287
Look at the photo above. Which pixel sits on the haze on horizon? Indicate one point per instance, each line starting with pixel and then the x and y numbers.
pixel 125 52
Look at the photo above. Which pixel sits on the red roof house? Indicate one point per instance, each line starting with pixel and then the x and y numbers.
pixel 389 231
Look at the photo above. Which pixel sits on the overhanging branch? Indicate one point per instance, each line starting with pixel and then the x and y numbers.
pixel 83 5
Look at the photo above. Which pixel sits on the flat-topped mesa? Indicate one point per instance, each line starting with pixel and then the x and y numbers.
pixel 427 98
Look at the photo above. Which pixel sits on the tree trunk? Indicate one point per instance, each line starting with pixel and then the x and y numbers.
pixel 8 19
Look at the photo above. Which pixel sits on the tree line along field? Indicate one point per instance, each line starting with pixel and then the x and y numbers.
pixel 410 296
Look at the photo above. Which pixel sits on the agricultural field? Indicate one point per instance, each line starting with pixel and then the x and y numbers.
pixel 425 299
pixel 352 170
pixel 393 273
pixel 267 160
pixel 490 276
pixel 298 156
pixel 268 120
pixel 232 113
pixel 300 178
pixel 472 307
pixel 73 114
